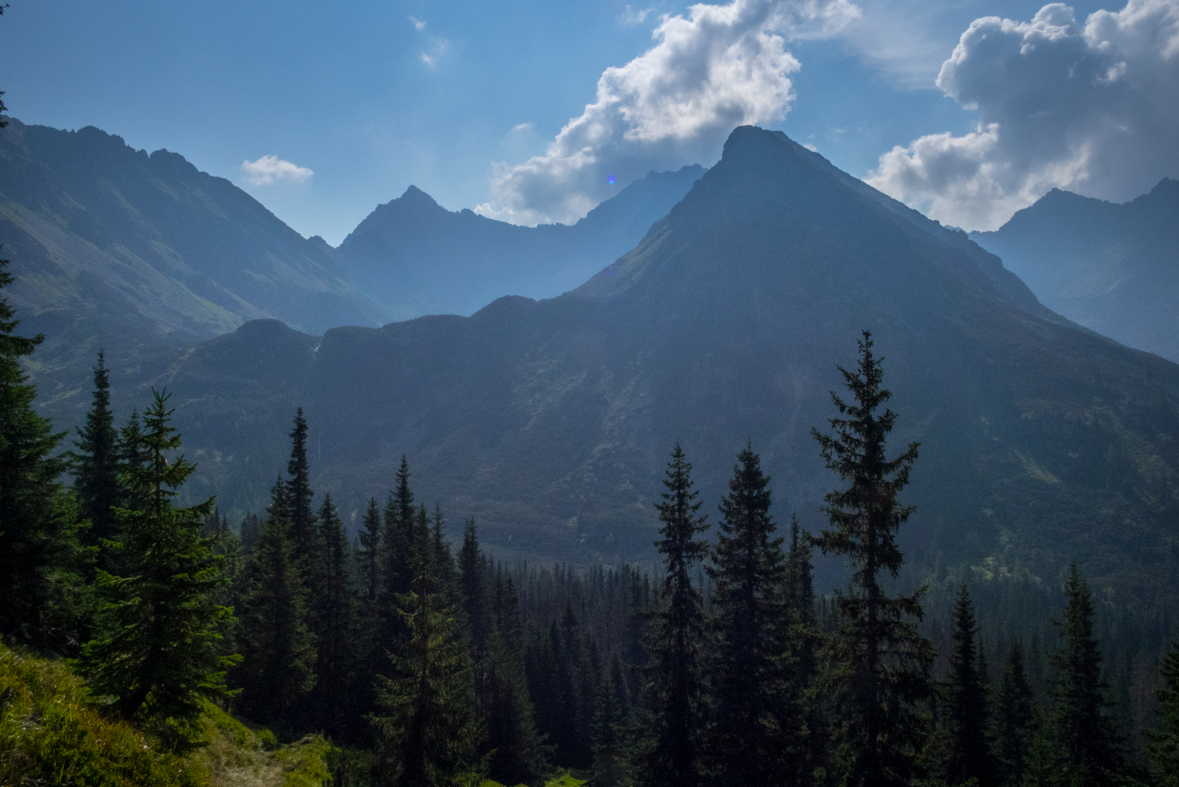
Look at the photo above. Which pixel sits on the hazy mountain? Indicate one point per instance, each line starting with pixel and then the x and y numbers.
pixel 551 421
pixel 114 247
pixel 1112 268
pixel 415 257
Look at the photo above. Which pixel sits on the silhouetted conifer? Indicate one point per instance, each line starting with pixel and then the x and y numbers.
pixel 42 595
pixel 881 665
pixel 333 624
pixel 755 730
pixel 671 751
pixel 968 758
pixel 159 653
pixel 278 648
pixel 299 497
pixel 1082 724
pixel 1014 719
pixel 1163 746
pixel 95 461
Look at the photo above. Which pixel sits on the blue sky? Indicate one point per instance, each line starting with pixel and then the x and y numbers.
pixel 342 106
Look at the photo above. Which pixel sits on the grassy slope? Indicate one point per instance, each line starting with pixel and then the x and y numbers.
pixel 49 735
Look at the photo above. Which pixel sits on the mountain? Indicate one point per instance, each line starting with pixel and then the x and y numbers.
pixel 1112 268
pixel 551 421
pixel 112 246
pixel 415 257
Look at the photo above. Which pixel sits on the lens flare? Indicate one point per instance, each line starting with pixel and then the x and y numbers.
pixel 610 180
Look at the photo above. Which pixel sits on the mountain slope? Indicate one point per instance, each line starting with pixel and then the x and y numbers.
pixel 415 257
pixel 1112 268
pixel 551 421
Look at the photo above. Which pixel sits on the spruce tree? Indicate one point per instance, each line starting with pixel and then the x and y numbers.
pixel 610 766
pixel 965 708
pixel 1163 746
pixel 427 729
pixel 299 497
pixel 1082 724
pixel 811 753
pixel 278 647
pixel 1014 719
pixel 881 664
pixel 756 729
pixel 95 461
pixel 160 652
pixel 369 556
pixel 333 624
pixel 40 563
pixel 671 752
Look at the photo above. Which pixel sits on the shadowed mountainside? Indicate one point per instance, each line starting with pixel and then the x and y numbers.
pixel 551 421
pixel 1112 268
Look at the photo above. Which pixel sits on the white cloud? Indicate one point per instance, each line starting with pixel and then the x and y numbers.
pixel 631 16
pixel 720 67
pixel 271 169
pixel 1092 108
pixel 418 24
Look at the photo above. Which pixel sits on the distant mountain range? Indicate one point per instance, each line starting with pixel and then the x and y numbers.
pixel 140 254
pixel 550 421
pixel 414 257
pixel 1112 268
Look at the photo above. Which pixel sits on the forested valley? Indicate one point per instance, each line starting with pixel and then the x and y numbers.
pixel 422 660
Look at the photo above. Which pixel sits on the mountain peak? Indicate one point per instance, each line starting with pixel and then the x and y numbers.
pixel 415 196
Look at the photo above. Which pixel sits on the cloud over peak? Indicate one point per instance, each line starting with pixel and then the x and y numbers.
pixel 719 67
pixel 1092 108
pixel 271 169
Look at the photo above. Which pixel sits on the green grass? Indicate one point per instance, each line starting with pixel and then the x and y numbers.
pixel 50 735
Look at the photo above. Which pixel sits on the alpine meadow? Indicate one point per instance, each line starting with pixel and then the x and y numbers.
pixel 800 408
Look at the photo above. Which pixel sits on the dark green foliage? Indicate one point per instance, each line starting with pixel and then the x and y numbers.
pixel 369 556
pixel 881 665
pixel 755 724
pixel 427 727
pixel 40 596
pixel 299 496
pixel 965 708
pixel 811 751
pixel 1014 719
pixel 333 625
pixel 673 736
pixel 278 648
pixel 159 652
pixel 1082 724
pixel 1164 741
pixel 95 463
pixel 610 765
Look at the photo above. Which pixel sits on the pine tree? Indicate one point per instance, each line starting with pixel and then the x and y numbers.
pixel 1083 726
pixel 1014 719
pixel 610 767
pixel 671 754
pixel 756 729
pixel 95 463
pixel 881 663
pixel 299 497
pixel 428 732
pixel 811 753
pixel 332 623
pixel 160 653
pixel 278 647
pixel 969 754
pixel 1163 746
pixel 369 556
pixel 40 587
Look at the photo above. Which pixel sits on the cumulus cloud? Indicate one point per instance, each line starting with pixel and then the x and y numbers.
pixel 271 169
pixel 631 16
pixel 1092 108
pixel 719 67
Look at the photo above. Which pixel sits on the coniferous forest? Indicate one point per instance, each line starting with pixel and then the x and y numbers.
pixel 426 661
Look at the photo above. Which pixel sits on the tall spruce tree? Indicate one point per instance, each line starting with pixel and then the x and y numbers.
pixel 1163 746
pixel 278 670
pixel 756 728
pixel 968 756
pixel 160 651
pixel 333 625
pixel 1015 719
pixel 369 556
pixel 39 558
pixel 670 754
pixel 95 461
pixel 1082 724
pixel 427 729
pixel 881 664
pixel 811 753
pixel 300 513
